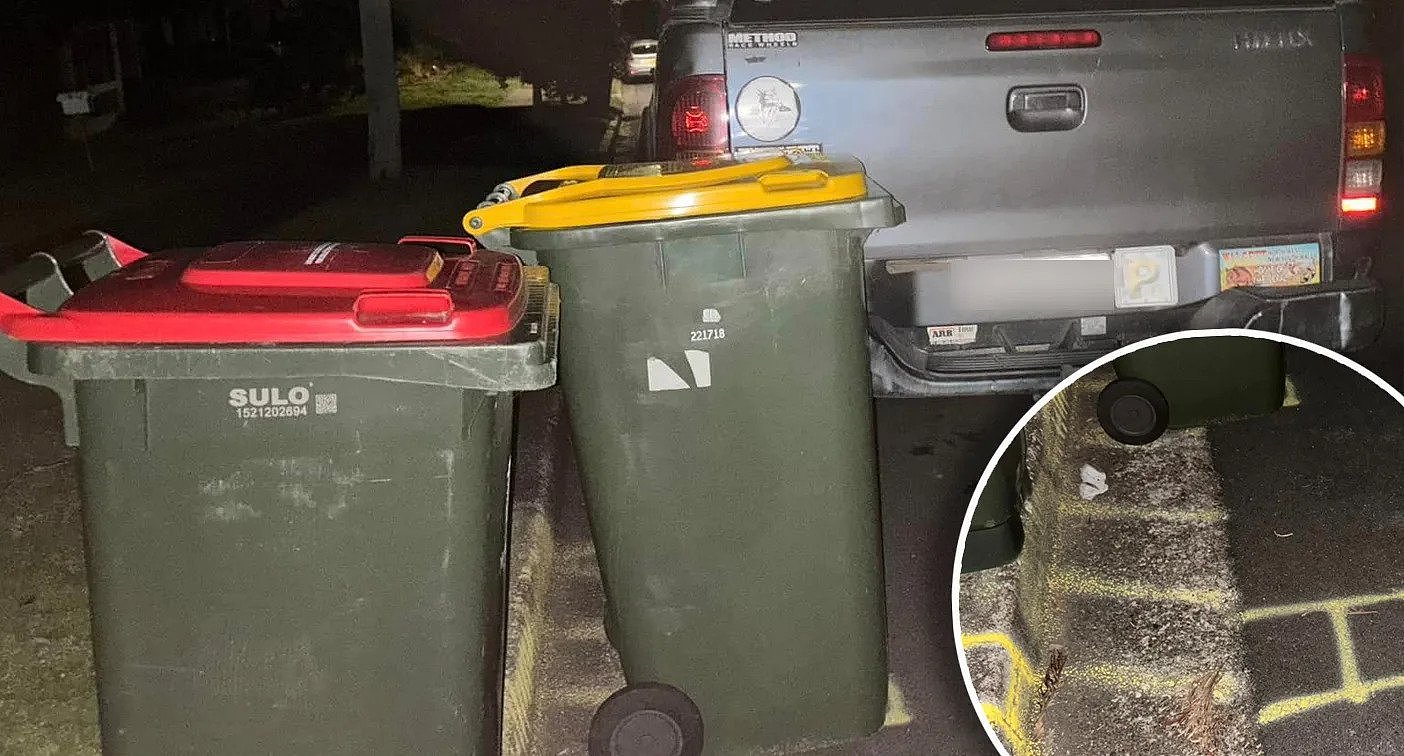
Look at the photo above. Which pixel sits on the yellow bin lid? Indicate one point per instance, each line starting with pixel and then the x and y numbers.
pixel 601 195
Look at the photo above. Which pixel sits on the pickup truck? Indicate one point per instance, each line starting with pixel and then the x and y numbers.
pixel 1077 174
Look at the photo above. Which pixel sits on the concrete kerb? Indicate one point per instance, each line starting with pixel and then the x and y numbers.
pixel 533 550
pixel 1003 617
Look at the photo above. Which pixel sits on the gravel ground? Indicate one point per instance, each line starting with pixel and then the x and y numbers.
pixel 47 702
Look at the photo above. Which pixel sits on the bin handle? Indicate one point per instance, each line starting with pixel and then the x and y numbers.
pixel 513 213
pixel 41 280
pixel 468 242
pixel 568 173
pixel 787 180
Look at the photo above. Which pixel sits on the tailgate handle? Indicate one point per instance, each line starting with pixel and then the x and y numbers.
pixel 1057 107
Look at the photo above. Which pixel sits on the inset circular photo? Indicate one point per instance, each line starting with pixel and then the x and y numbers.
pixel 1192 548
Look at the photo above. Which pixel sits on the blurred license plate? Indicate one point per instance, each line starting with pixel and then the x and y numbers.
pixel 1145 276
pixel 1270 265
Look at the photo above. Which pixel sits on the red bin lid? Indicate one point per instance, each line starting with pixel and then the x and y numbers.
pixel 332 265
pixel 291 293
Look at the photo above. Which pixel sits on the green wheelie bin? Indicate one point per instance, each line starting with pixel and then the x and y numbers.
pixel 996 534
pixel 1189 382
pixel 294 467
pixel 714 365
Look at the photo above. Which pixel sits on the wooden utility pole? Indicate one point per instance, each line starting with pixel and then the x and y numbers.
pixel 382 88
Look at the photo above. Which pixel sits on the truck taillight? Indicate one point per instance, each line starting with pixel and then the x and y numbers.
pixel 696 117
pixel 1364 88
pixel 1363 106
pixel 1351 205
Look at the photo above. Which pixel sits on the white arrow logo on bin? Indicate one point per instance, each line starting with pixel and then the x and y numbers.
pixel 664 378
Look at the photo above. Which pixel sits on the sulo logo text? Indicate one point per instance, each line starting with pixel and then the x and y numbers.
pixel 269 397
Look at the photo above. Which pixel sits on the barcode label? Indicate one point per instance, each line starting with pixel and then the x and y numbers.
pixel 325 404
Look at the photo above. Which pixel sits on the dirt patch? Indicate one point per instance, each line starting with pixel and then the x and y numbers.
pixel 47 700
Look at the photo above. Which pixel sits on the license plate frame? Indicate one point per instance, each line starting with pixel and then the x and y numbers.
pixel 1279 265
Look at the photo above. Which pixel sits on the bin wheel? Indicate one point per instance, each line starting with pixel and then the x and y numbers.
pixel 647 719
pixel 1133 411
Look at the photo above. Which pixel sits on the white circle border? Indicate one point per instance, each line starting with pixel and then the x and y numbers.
pixel 1038 407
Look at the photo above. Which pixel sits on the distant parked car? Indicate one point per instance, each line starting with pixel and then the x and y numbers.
pixel 643 56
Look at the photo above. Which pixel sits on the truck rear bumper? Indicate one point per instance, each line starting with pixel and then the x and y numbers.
pixel 1033 356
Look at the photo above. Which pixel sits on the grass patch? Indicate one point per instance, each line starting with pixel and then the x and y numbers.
pixel 441 85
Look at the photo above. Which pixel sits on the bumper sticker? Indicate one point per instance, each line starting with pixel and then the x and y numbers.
pixel 952 335
pixel 1271 265
pixel 1095 325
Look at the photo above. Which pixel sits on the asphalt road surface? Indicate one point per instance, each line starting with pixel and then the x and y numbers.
pixel 932 455
pixel 1316 503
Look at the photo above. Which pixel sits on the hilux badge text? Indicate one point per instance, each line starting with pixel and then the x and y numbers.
pixel 1291 39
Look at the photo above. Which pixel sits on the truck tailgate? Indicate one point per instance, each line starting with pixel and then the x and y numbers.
pixel 1202 124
